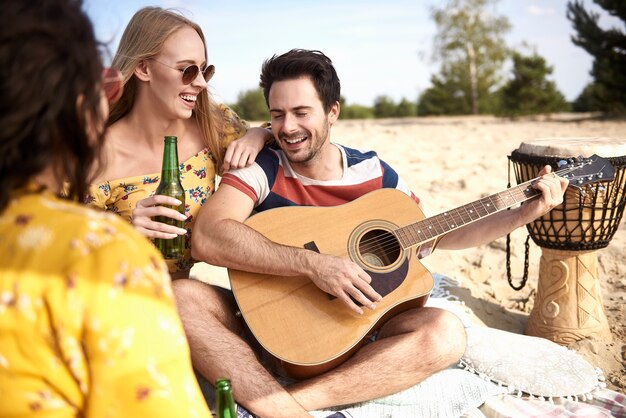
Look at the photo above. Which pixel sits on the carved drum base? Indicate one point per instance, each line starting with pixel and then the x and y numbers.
pixel 568 306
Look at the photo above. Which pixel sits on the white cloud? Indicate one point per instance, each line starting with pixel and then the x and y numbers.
pixel 540 11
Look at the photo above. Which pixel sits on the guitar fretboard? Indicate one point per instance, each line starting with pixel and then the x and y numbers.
pixel 580 173
pixel 430 228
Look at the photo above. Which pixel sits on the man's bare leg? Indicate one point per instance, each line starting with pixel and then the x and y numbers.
pixel 217 351
pixel 409 348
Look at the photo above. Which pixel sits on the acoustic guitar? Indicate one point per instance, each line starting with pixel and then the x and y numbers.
pixel 306 331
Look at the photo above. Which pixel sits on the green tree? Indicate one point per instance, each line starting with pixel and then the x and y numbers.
pixel 608 48
pixel 251 105
pixel 384 107
pixel 354 111
pixel 470 45
pixel 447 94
pixel 588 100
pixel 530 92
pixel 406 108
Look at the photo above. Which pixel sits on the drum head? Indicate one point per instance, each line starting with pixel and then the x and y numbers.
pixel 574 147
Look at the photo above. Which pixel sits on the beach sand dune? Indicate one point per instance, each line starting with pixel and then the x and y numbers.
pixel 450 161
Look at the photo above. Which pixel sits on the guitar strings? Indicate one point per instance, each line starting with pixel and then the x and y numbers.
pixel 391 241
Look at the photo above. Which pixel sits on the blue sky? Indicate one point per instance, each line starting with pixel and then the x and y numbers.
pixel 377 47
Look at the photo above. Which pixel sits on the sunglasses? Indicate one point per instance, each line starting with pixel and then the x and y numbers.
pixel 112 84
pixel 191 72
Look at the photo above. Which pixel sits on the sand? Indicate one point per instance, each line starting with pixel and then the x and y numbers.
pixel 455 160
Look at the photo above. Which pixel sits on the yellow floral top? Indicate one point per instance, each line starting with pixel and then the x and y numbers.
pixel 197 176
pixel 88 326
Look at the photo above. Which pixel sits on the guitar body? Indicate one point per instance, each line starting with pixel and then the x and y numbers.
pixel 305 330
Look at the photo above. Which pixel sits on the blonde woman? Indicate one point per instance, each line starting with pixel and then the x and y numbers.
pixel 163 59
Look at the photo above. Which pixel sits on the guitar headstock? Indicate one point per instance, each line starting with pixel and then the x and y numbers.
pixel 582 171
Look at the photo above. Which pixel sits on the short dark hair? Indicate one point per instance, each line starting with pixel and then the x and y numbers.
pixel 49 57
pixel 303 63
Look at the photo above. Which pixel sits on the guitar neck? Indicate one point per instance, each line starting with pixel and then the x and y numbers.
pixel 435 226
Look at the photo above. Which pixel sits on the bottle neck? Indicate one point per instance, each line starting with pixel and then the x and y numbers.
pixel 223 385
pixel 224 399
pixel 170 169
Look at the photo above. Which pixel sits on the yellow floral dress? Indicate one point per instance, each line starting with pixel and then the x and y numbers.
pixel 88 326
pixel 197 176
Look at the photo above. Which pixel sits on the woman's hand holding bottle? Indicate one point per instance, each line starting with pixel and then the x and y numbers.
pixel 157 205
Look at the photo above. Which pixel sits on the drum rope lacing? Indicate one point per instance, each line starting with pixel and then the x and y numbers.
pixel 508 250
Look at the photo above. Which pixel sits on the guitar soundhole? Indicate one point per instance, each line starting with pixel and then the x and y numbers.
pixel 379 248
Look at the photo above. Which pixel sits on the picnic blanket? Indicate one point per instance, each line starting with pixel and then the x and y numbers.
pixel 501 375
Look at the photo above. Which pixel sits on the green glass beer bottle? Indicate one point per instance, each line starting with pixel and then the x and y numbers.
pixel 171 186
pixel 224 402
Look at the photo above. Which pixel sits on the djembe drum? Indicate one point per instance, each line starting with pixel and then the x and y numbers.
pixel 568 305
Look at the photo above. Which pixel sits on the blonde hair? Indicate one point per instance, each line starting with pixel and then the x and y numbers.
pixel 143 39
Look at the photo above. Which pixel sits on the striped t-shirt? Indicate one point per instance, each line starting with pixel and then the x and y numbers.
pixel 271 182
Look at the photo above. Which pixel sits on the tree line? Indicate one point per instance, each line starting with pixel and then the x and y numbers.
pixel 470 48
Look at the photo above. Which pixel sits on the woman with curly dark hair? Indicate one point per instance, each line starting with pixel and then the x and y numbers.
pixel 87 320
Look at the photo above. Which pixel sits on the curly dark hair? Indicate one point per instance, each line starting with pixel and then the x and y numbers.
pixel 303 63
pixel 50 72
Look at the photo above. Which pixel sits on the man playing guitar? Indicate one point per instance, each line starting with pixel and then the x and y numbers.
pixel 302 91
